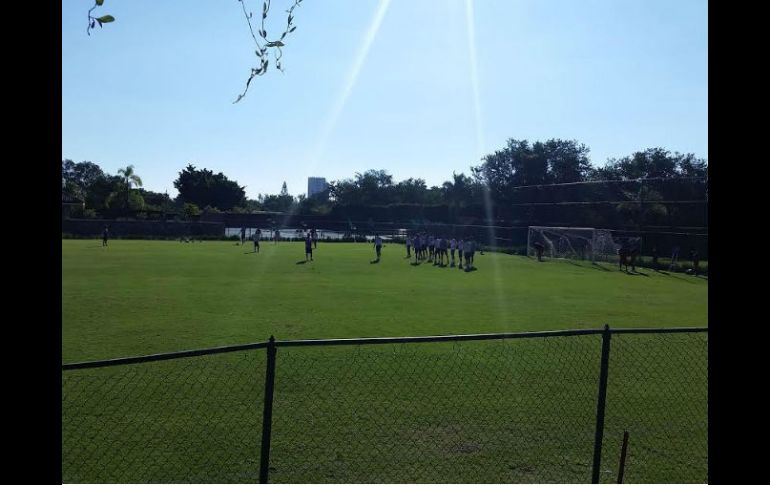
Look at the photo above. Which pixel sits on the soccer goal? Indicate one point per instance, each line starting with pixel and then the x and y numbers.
pixel 580 243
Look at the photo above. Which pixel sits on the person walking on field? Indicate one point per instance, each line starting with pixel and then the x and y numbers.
pixel 674 258
pixel 539 249
pixel 378 245
pixel 105 236
pixel 408 247
pixel 308 247
pixel 695 260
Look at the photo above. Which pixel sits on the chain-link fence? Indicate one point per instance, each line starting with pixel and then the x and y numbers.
pixel 505 408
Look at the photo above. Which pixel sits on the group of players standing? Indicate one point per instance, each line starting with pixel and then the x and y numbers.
pixel 441 251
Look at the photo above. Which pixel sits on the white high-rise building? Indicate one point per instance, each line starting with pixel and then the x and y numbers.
pixel 316 185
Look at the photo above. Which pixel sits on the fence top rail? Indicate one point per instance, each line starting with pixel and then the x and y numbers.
pixel 435 338
pixel 372 340
pixel 660 330
pixel 164 356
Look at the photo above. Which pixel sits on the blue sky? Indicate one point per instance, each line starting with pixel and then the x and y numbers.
pixel 378 84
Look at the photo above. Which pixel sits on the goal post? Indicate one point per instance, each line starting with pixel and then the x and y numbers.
pixel 562 242
pixel 579 243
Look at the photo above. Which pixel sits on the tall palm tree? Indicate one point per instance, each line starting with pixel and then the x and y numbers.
pixel 129 178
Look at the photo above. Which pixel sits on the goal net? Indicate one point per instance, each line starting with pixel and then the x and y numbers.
pixel 580 243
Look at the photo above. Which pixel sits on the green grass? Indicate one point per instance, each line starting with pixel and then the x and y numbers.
pixel 140 297
pixel 497 411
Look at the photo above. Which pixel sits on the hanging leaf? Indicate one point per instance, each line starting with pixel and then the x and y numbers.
pixel 276 43
pixel 105 19
pixel 292 29
pixel 99 2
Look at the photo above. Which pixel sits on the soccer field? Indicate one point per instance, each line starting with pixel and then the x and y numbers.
pixel 496 411
pixel 142 297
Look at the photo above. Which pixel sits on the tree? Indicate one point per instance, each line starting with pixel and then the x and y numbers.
pixel 567 161
pixel 191 211
pixel 264 47
pixel 77 178
pixel 650 163
pixel 410 191
pixel 205 188
pixel 515 165
pixel 118 203
pixel 129 178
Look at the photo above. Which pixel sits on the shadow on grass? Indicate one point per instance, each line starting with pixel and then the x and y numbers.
pixel 303 261
pixel 417 263
pixel 636 273
pixel 374 261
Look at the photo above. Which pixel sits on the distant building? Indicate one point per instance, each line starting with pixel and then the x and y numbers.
pixel 316 185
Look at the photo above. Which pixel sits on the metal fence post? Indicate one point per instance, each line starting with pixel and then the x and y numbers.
pixel 623 450
pixel 601 403
pixel 267 414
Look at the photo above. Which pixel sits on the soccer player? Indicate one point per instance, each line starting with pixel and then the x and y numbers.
pixel 622 256
pixel 674 257
pixel 408 246
pixel 460 245
pixel 314 236
pixel 695 260
pixel 243 235
pixel 452 247
pixel 378 245
pixel 468 251
pixel 105 236
pixel 308 247
pixel 431 248
pixel 444 252
pixel 655 257
pixel 539 249
pixel 276 236
pixel 633 253
pixel 255 237
pixel 437 251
